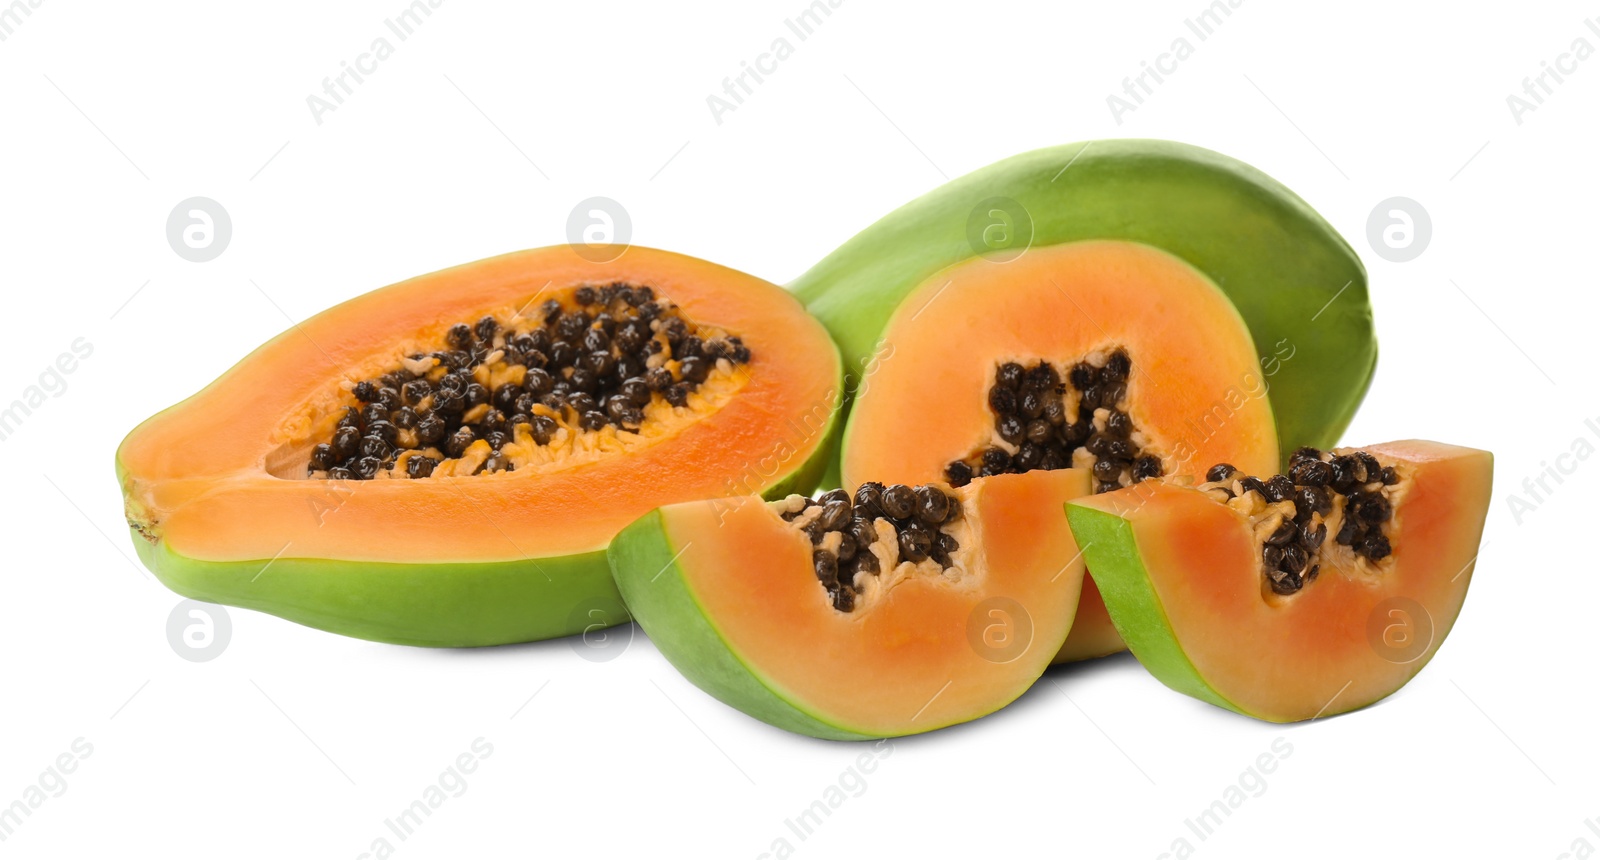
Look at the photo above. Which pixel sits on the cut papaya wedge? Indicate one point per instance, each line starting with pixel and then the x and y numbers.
pixel 729 591
pixel 444 461
pixel 1110 356
pixel 1295 596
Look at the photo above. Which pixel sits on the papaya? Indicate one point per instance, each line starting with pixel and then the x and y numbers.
pixel 1296 595
pixel 444 461
pixel 896 611
pixel 1111 356
pixel 1299 287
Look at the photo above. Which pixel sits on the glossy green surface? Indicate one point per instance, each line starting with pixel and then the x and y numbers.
pixel 650 575
pixel 445 605
pixel 1298 285
pixel 1111 549
pixel 485 603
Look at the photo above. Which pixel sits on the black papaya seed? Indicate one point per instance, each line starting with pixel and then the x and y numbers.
pixel 1031 404
pixel 1009 375
pixel 1146 466
pixel 1011 428
pixel 1312 538
pixel 1283 534
pixel 1083 375
pixel 1107 470
pixel 958 473
pixel 933 506
pixel 825 566
pixel 1002 399
pixel 835 515
pixel 843 597
pixel 1029 457
pixel 869 500
pixel 1311 473
pixel 834 496
pixel 996 461
pixel 1305 454
pixel 1117 367
pixel 1279 488
pixel 420 467
pixel 864 532
pixel 914 545
pixel 322 457
pixel 1376 546
pixel 898 501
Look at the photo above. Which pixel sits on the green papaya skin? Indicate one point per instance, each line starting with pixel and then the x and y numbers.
pixel 1109 544
pixel 652 582
pixel 1300 288
pixel 441 605
pixel 450 605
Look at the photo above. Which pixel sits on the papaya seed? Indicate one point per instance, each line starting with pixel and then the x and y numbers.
pixel 1353 487
pixel 593 346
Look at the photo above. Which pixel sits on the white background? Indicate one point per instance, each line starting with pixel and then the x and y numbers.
pixel 479 136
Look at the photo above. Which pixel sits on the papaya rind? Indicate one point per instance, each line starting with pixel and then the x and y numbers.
pixel 449 605
pixel 1280 262
pixel 1111 550
pixel 441 605
pixel 653 584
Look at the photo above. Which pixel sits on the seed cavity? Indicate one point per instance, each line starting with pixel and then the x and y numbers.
pixel 1352 496
pixel 591 360
pixel 874 531
pixel 1047 419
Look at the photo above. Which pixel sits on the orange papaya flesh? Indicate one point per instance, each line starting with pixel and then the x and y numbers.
pixel 1188 575
pixel 504 539
pixel 728 591
pixel 1172 375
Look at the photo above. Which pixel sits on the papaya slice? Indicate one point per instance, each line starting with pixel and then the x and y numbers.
pixel 745 599
pixel 444 461
pixel 1110 356
pixel 1298 285
pixel 1300 595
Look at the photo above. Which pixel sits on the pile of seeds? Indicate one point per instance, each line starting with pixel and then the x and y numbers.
pixel 1347 492
pixel 1044 426
pixel 852 537
pixel 590 360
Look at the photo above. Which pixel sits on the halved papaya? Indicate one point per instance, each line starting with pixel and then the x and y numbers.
pixel 1300 595
pixel 1298 285
pixel 772 609
pixel 1110 356
pixel 444 461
